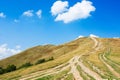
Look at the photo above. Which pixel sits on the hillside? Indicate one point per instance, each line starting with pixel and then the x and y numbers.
pixel 39 52
pixel 86 58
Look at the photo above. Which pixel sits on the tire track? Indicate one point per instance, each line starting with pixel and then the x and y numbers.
pixel 109 67
pixel 71 63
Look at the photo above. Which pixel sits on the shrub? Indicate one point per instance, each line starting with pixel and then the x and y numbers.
pixel 1 70
pixel 10 68
pixel 28 64
pixel 40 61
pixel 43 60
pixel 52 58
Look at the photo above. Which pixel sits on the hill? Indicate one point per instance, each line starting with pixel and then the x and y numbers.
pixel 87 58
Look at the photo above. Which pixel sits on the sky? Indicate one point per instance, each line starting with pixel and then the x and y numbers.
pixel 28 23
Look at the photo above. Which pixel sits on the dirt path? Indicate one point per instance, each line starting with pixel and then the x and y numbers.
pixel 96 46
pixel 111 61
pixel 95 42
pixel 71 63
pixel 88 71
pixel 50 73
pixel 46 72
pixel 109 67
pixel 74 70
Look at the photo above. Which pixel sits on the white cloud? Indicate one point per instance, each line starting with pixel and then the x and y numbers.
pixel 80 36
pixel 18 47
pixel 28 13
pixel 80 10
pixel 2 15
pixel 39 13
pixel 16 21
pixel 92 35
pixel 115 37
pixel 5 51
pixel 59 7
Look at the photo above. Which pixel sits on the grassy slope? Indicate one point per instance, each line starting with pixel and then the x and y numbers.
pixel 115 50
pixel 107 44
pixel 63 53
pixel 38 52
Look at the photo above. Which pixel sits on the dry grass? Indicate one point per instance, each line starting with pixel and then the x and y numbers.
pixel 71 49
pixel 62 54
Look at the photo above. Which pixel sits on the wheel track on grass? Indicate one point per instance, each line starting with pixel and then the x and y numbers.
pixel 109 67
pixel 111 61
pixel 71 64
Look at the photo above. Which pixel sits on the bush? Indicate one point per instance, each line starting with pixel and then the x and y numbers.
pixel 1 70
pixel 43 60
pixel 10 68
pixel 40 61
pixel 28 64
pixel 52 58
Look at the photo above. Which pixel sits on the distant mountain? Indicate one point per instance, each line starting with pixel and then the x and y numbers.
pixel 86 58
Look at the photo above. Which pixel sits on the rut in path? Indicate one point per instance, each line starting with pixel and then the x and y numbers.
pixel 71 63
pixel 88 71
pixel 109 67
pixel 74 70
pixel 43 73
pixel 111 61
pixel 83 67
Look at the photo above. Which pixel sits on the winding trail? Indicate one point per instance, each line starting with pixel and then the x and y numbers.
pixel 72 63
pixel 74 70
pixel 88 71
pixel 43 73
pixel 95 42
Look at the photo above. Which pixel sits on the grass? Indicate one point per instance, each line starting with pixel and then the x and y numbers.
pixel 46 78
pixel 83 47
pixel 112 63
pixel 69 77
pixel 62 54
pixel 84 75
pixel 57 76
pixel 110 76
pixel 95 60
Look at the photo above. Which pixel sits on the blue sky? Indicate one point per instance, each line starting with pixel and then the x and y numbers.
pixel 21 27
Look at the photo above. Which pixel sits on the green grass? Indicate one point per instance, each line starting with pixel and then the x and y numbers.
pixel 110 75
pixel 57 76
pixel 69 77
pixel 84 75
pixel 46 78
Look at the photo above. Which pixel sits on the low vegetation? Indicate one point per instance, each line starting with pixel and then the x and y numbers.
pixel 39 60
pixel 9 68
pixel 44 60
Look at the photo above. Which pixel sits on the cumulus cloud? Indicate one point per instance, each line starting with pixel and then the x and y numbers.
pixel 92 35
pixel 2 15
pixel 59 7
pixel 28 13
pixel 5 51
pixel 80 10
pixel 39 13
